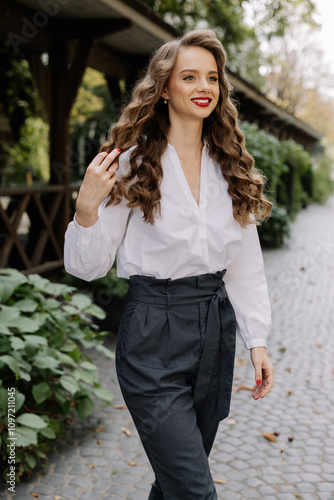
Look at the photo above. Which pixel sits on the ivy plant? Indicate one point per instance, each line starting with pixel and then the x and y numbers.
pixel 45 329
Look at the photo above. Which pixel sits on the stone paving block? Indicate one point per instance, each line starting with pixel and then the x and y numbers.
pixel 266 490
pixel 120 489
pixel 137 495
pixel 89 495
pixel 233 486
pixel 325 487
pixel 67 492
pixel 310 477
pixel 307 487
pixel 41 489
pixel 325 496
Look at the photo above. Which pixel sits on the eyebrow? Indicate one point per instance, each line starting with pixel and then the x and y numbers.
pixel 196 71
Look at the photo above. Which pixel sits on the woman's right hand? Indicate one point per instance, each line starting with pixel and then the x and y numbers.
pixel 99 180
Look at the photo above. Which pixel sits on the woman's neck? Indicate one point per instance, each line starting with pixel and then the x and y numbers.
pixel 187 140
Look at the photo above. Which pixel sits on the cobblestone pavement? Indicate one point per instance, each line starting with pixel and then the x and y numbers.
pixel 90 465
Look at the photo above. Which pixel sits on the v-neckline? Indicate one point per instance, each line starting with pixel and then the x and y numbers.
pixel 184 182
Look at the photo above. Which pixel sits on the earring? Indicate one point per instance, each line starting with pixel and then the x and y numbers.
pixel 165 101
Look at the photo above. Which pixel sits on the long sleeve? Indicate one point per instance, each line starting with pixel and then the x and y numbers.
pixel 247 288
pixel 89 252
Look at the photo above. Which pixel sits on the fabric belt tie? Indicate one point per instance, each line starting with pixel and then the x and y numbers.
pixel 220 325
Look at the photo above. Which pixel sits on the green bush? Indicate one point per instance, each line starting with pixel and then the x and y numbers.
pixel 276 229
pixel 43 326
pixel 323 184
pixel 110 284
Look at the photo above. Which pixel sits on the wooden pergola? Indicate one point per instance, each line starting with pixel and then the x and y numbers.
pixel 113 36
pixel 117 38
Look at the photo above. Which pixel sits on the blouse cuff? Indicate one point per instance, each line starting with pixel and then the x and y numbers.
pixel 87 230
pixel 256 343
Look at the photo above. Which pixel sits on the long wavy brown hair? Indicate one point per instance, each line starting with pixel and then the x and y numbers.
pixel 144 123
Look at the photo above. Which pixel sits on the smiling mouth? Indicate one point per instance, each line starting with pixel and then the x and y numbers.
pixel 203 102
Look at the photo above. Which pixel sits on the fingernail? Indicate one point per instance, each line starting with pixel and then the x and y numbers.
pixel 258 382
pixel 118 150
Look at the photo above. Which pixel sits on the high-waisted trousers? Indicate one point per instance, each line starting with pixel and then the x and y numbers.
pixel 174 360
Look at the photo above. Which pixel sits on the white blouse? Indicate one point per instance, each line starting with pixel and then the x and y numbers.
pixel 186 240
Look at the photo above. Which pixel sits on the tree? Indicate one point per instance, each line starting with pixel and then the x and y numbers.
pixel 17 90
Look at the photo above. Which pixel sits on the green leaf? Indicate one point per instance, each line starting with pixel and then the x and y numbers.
pixel 26 305
pixel 17 343
pixel 52 304
pixel 9 316
pixel 4 330
pixel 56 289
pixel 10 279
pixel 36 339
pixel 31 460
pixel 3 399
pixel 41 392
pixel 5 345
pixel 84 407
pixel 96 311
pixel 25 376
pixel 25 436
pixel 27 325
pixel 38 282
pixel 40 317
pixel 69 384
pixel 19 399
pixel 65 359
pixel 80 301
pixel 107 352
pixel 45 362
pixel 11 363
pixel 88 366
pixel 31 420
pixel 71 310
pixel 48 432
pixel 87 376
pixel 104 394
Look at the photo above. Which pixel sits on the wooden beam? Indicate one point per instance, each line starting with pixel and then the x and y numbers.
pixel 88 28
pixel 77 70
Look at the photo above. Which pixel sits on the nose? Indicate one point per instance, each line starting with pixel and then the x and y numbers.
pixel 203 85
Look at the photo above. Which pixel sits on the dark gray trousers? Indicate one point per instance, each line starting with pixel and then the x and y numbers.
pixel 174 360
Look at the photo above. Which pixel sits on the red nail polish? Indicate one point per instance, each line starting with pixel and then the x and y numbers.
pixel 258 382
pixel 118 150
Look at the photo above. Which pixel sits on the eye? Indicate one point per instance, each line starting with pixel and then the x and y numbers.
pixel 213 79
pixel 189 78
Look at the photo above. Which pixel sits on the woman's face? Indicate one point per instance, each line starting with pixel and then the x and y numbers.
pixel 193 89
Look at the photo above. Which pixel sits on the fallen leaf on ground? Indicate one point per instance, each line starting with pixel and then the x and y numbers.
pixel 57 497
pixel 132 464
pixel 99 429
pixel 35 495
pixel 99 441
pixel 231 421
pixel 120 407
pixel 318 412
pixel 219 481
pixel 319 345
pixel 91 466
pixel 240 362
pixel 290 438
pixel 269 435
pixel 243 388
pixel 289 393
pixel 276 433
pixel 126 431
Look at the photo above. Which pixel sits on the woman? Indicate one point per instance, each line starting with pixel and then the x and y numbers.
pixel 179 208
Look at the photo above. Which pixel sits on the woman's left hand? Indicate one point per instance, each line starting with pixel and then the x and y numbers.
pixel 264 372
